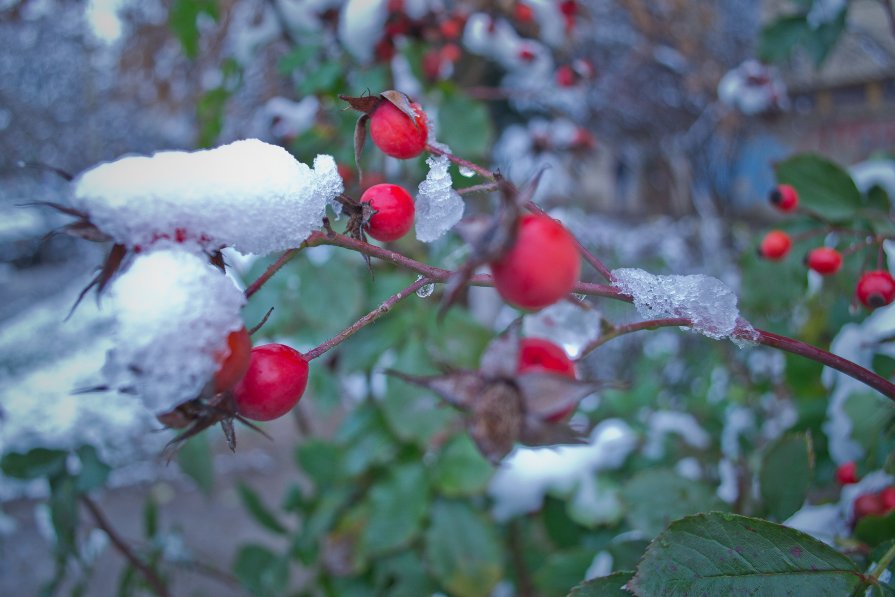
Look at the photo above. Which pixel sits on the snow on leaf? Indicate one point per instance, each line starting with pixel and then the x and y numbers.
pixel 250 195
pixel 438 206
pixel 706 301
pixel 173 313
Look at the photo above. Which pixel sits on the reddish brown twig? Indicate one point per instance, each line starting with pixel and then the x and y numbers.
pixel 270 271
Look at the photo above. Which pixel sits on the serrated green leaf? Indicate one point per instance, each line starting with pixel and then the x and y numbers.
pixel 465 125
pixel 786 472
pixel 823 186
pixel 259 511
pixel 183 18
pixel 605 586
pixel 39 462
pixel 195 460
pixel 562 569
pixel 779 38
pixel 875 530
pixel 656 497
pixel 321 460
pixel 727 554
pixel 461 469
pixel 64 514
pixel 397 506
pixel 261 571
pixel 463 550
pixel 94 472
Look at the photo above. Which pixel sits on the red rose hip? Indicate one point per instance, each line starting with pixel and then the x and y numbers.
pixel 234 365
pixel 542 266
pixel 847 473
pixel 394 211
pixel 824 260
pixel 868 504
pixel 775 245
pixel 784 197
pixel 875 289
pixel 537 355
pixel 395 133
pixel 274 383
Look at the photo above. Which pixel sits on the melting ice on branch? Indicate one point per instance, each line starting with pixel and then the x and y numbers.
pixel 250 195
pixel 438 206
pixel 174 312
pixel 706 301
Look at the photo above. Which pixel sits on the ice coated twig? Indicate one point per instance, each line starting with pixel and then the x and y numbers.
pixel 158 587
pixel 367 319
pixel 651 324
pixel 460 161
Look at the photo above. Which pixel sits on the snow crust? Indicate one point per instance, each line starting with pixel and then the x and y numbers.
pixel 709 303
pixel 438 206
pixel 664 422
pixel 528 474
pixel 173 315
pixel 250 195
pixel 753 88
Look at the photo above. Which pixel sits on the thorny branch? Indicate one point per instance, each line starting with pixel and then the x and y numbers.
pixel 158 587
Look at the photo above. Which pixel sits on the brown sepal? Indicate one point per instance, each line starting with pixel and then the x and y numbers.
pixel 401 102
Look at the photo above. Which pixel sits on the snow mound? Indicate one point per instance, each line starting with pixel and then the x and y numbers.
pixel 709 303
pixel 250 195
pixel 173 314
pixel 528 474
pixel 438 206
pixel 361 25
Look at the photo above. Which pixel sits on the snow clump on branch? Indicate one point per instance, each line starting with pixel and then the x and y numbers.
pixel 249 195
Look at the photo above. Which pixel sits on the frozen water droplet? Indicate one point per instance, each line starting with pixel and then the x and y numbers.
pixel 425 291
pixel 467 172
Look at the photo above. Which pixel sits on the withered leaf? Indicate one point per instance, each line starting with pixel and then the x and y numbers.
pixel 501 357
pixel 546 394
pixel 401 102
pixel 461 389
pixel 495 420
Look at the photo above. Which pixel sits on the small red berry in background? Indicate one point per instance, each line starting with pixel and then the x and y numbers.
pixel 537 355
pixel 451 53
pixel 451 28
pixel 395 134
pixel 775 245
pixel 868 504
pixel 847 473
pixel 523 12
pixel 541 268
pixel 233 366
pixel 565 76
pixel 394 211
pixel 875 289
pixel 784 197
pixel 526 55
pixel 274 383
pixel 824 260
pixel 887 499
pixel 431 64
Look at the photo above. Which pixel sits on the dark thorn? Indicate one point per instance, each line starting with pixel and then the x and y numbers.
pixel 262 322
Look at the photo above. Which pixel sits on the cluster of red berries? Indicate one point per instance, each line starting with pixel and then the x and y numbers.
pixel 524 14
pixel 874 288
pixel 869 504
pixel 437 28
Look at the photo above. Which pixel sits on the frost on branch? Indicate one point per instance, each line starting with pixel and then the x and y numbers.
pixel 174 313
pixel 250 195
pixel 707 302
pixel 438 206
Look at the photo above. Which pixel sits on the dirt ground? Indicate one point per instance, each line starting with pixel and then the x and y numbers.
pixel 212 526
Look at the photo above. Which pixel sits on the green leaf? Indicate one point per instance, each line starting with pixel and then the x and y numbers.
pixel 366 439
pixel 464 346
pixel 463 550
pixel 781 37
pixel 562 530
pixel 626 553
pixel 64 514
pixel 39 462
pixel 461 469
pixel 823 186
pixel 656 497
pixel 261 571
pixel 150 517
pixel 874 530
pixel 94 472
pixel 727 554
pixel 821 41
pixel 259 511
pixel 305 543
pixel 398 504
pixel 402 575
pixel 324 78
pixel 183 19
pixel 298 57
pixel 562 569
pixel 320 460
pixel 786 473
pixel 465 125
pixel 605 586
pixel 871 417
pixel 195 460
